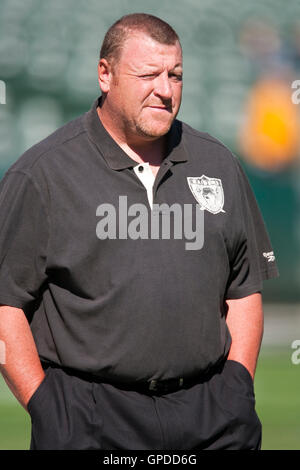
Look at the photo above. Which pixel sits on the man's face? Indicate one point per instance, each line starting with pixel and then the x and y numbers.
pixel 145 87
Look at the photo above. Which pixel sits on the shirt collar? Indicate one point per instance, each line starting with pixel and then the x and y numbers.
pixel 113 154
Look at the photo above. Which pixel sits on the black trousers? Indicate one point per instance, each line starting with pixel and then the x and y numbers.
pixel 69 412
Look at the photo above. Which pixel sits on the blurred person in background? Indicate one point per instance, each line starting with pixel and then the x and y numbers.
pixel 268 137
pixel 132 343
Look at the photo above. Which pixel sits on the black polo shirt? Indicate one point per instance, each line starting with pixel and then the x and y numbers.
pixel 128 307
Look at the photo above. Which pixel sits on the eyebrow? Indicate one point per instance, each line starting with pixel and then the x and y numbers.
pixel 177 68
pixel 155 67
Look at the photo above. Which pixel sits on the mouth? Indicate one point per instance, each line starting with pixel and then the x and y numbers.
pixel 161 108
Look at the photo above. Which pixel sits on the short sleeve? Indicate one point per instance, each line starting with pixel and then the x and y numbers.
pixel 24 232
pixel 253 260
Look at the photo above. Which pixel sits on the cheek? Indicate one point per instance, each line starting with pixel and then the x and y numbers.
pixel 177 92
pixel 137 96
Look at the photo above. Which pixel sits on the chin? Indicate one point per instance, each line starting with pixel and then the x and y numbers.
pixel 158 130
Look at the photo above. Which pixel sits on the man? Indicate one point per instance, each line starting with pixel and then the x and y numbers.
pixel 119 338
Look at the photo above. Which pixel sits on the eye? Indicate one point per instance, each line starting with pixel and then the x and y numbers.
pixel 148 76
pixel 176 76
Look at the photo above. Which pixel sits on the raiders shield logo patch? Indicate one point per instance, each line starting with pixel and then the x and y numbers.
pixel 208 192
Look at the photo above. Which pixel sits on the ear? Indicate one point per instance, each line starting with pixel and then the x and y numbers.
pixel 104 75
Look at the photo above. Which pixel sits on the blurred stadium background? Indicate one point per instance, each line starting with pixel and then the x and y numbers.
pixel 240 60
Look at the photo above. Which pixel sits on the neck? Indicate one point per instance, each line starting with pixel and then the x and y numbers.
pixel 140 150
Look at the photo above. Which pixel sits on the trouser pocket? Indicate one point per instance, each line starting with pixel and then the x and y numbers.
pixel 233 391
pixel 62 413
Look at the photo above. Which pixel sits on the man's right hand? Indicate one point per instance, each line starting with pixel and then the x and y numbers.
pixel 22 369
pixel 34 389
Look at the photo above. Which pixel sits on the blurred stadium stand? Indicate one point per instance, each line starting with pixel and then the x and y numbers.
pixel 48 61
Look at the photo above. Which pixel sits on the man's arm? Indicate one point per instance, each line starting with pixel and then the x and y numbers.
pixel 22 370
pixel 245 323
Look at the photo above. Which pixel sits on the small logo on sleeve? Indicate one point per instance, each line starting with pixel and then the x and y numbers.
pixel 270 256
pixel 208 192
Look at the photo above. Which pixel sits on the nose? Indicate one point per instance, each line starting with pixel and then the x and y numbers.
pixel 163 87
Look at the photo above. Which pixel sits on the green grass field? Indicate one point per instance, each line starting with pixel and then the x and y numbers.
pixel 277 386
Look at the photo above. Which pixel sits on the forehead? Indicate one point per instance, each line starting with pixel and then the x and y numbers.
pixel 140 49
